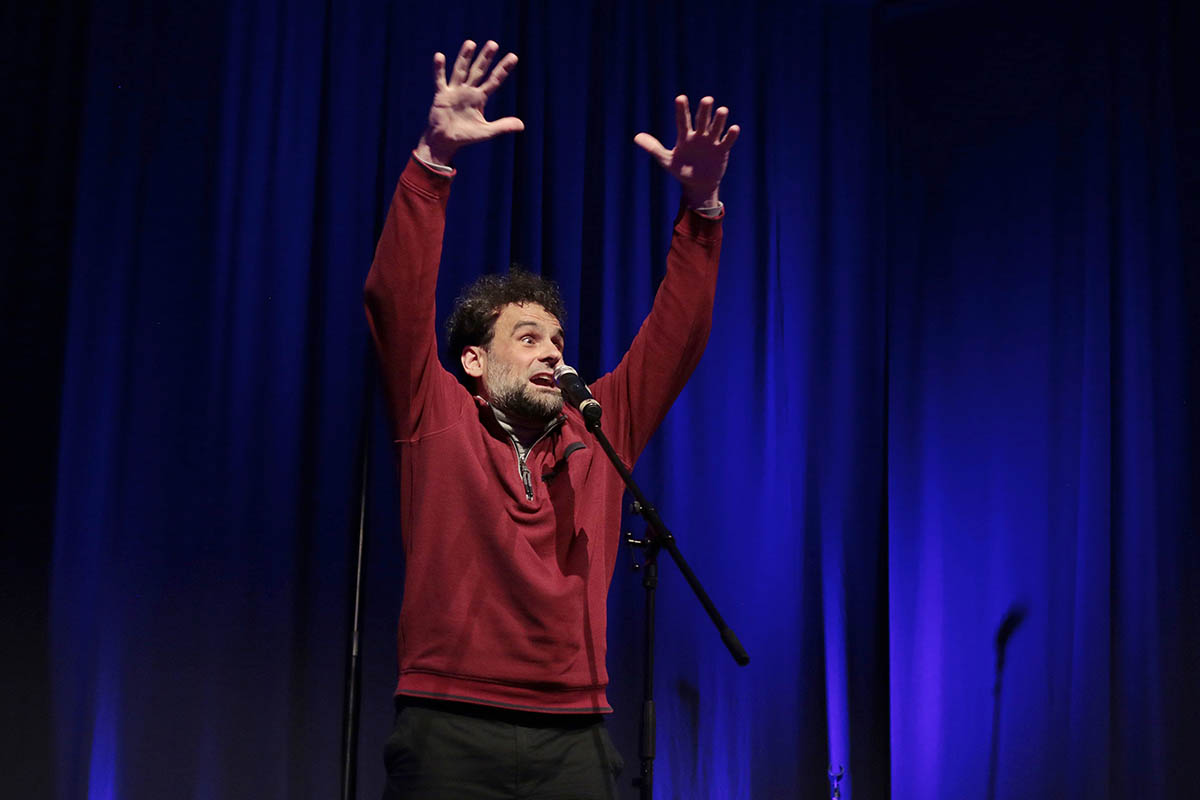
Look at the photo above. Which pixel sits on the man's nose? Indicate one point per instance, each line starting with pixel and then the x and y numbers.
pixel 552 355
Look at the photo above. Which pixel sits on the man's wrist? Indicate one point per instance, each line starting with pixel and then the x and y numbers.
pixel 434 155
pixel 437 169
pixel 696 200
pixel 711 212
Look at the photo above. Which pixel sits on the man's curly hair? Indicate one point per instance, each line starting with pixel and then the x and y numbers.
pixel 473 318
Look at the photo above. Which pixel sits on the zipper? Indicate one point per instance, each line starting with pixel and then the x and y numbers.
pixel 525 478
pixel 522 470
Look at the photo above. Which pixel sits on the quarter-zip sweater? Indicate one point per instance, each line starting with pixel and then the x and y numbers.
pixel 508 559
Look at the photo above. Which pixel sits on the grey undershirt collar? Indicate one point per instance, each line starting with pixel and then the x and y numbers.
pixel 523 434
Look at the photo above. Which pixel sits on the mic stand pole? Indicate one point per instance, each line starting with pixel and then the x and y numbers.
pixel 658 537
pixel 353 689
pixel 1009 623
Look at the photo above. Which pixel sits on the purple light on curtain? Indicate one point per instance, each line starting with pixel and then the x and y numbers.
pixel 833 587
pixel 105 757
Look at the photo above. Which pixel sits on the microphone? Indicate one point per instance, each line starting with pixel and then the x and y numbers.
pixel 1008 625
pixel 577 393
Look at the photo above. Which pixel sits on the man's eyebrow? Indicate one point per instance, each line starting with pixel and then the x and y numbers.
pixel 531 323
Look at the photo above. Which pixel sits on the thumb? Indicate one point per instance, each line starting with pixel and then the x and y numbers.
pixel 652 146
pixel 505 125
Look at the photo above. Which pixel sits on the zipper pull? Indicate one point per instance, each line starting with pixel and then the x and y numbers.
pixel 525 478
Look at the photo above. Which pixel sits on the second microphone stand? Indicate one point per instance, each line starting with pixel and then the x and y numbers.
pixel 658 537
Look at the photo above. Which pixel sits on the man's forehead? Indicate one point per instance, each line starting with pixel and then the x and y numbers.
pixel 515 314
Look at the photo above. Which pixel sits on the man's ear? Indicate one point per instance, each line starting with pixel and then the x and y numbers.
pixel 472 360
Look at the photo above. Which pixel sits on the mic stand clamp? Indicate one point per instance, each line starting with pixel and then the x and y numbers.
pixel 835 778
pixel 657 538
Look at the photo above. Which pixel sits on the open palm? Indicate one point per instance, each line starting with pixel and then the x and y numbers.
pixel 701 152
pixel 456 117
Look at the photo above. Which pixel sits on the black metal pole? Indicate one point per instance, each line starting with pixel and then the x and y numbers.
pixel 663 538
pixel 649 727
pixel 1009 623
pixel 657 537
pixel 353 693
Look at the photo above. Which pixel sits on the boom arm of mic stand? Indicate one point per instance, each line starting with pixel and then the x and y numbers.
pixel 664 539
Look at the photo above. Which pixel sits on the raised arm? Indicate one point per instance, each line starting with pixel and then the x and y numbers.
pixel 400 291
pixel 638 393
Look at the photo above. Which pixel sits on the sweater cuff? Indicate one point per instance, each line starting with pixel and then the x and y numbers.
pixel 698 226
pixel 426 180
pixel 440 169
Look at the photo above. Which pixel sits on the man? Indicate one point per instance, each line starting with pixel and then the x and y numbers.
pixel 510 514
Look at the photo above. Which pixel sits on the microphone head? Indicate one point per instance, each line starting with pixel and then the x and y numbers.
pixel 1011 620
pixel 562 370
pixel 575 392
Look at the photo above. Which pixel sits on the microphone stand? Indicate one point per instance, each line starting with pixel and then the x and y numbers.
pixel 1009 623
pixel 658 537
pixel 352 697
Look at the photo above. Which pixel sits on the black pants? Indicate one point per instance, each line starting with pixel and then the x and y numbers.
pixel 458 751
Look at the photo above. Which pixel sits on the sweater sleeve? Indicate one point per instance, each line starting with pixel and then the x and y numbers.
pixel 638 393
pixel 400 297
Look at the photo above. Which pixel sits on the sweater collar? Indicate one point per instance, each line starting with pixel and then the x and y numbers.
pixel 520 430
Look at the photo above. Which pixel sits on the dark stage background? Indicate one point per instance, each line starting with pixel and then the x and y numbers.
pixel 952 373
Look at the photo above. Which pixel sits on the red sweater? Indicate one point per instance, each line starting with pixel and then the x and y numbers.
pixel 504 596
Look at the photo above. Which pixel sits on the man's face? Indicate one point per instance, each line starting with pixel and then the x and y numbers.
pixel 516 369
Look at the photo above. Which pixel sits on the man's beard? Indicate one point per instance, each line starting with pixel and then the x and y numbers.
pixel 517 397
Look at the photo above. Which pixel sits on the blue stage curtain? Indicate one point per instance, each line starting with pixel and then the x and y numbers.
pixel 1041 417
pixel 952 375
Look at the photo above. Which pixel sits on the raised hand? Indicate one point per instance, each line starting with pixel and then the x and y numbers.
pixel 456 117
pixel 701 152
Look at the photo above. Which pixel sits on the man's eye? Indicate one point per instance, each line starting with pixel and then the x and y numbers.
pixel 527 339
